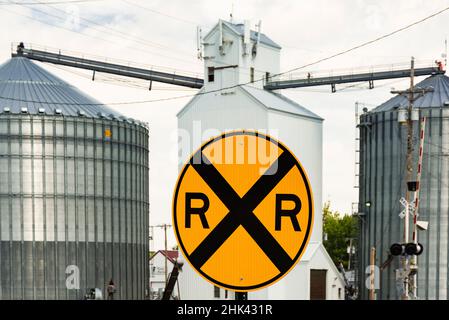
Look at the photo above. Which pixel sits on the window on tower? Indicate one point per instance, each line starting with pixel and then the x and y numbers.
pixel 210 74
pixel 216 292
pixel 267 77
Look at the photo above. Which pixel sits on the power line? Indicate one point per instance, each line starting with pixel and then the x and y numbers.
pixel 160 13
pixel 121 33
pixel 58 17
pixel 96 104
pixel 262 79
pixel 364 44
pixel 56 26
pixel 49 2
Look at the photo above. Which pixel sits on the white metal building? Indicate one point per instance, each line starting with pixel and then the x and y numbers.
pixel 157 272
pixel 239 61
pixel 193 287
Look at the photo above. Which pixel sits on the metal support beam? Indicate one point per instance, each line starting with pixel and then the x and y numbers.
pixel 226 67
pixel 350 78
pixel 197 83
pixel 117 69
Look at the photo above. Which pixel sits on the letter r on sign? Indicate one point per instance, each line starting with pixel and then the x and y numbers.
pixel 201 211
pixel 291 213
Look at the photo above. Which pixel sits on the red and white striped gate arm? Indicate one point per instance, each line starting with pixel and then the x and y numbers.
pixel 418 176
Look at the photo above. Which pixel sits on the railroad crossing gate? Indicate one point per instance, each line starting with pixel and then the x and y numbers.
pixel 243 210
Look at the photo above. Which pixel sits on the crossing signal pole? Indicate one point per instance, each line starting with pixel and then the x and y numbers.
pixel 412 94
pixel 414 261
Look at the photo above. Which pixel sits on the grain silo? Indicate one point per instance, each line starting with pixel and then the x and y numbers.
pixel 383 144
pixel 73 191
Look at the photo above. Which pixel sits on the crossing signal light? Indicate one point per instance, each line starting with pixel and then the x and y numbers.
pixel 411 249
pixel 396 249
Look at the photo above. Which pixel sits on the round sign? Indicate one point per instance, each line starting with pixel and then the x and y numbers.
pixel 243 211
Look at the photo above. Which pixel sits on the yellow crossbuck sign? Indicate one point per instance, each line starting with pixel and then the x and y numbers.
pixel 243 210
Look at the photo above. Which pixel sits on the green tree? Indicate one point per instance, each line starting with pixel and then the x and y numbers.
pixel 339 229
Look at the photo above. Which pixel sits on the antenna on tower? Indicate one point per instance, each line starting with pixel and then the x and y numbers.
pixel 246 37
pixel 445 52
pixel 231 15
pixel 220 37
pixel 199 41
pixel 258 28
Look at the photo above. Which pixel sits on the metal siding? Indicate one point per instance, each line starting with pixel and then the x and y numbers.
pixel 50 218
pixel 386 163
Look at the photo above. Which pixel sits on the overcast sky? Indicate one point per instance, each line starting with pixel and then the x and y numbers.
pixel 163 34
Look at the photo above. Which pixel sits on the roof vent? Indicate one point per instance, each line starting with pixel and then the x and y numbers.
pixel 101 115
pixel 446 103
pixel 113 116
pixel 24 110
pixel 6 109
pixel 58 111
pixel 81 113
pixel 41 110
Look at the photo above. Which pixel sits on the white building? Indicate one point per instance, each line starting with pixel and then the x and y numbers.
pixel 239 61
pixel 194 287
pixel 157 272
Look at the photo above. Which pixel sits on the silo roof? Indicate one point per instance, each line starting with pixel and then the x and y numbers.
pixel 435 99
pixel 25 84
pixel 240 30
pixel 279 102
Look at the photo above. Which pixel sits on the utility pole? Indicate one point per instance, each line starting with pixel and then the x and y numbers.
pixel 350 253
pixel 165 226
pixel 414 262
pixel 412 94
pixel 166 258
pixel 409 172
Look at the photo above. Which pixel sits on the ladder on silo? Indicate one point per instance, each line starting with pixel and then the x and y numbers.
pixel 355 259
pixel 355 205
pixel 357 146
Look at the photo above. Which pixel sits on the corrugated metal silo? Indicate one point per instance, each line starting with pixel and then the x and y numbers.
pixel 383 144
pixel 73 190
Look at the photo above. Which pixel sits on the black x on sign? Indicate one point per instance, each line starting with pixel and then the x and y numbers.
pixel 243 210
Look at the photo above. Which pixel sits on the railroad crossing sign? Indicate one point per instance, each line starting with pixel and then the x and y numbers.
pixel 407 205
pixel 243 211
